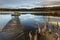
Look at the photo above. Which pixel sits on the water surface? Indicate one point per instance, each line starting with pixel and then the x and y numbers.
pixel 28 19
pixel 28 22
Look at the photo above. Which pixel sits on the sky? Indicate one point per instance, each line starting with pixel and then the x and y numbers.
pixel 28 3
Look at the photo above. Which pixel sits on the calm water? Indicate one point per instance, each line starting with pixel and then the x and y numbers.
pixel 28 21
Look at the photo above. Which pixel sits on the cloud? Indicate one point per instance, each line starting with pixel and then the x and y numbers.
pixel 46 3
pixel 52 3
pixel 28 3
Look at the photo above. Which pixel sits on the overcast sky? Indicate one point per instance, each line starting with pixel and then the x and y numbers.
pixel 28 3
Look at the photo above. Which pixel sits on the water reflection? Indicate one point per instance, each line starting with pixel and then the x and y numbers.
pixel 12 29
pixel 31 27
pixel 4 19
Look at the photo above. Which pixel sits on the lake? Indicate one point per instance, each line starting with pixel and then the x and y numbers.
pixel 28 21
